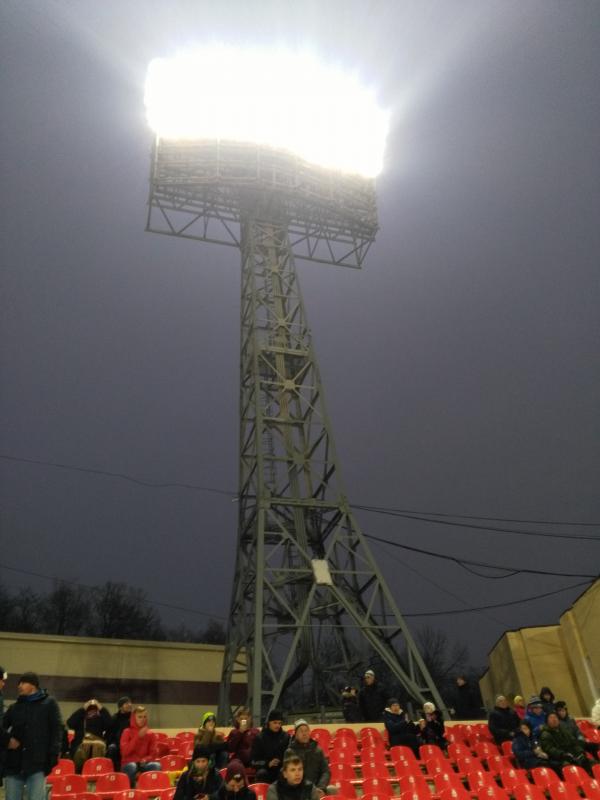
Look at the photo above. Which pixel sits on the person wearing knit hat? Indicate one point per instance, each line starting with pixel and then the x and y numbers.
pixel 36 727
pixel 431 727
pixel 371 698
pixel 235 786
pixel 208 736
pixel 316 768
pixel 268 748
pixel 401 731
pixel 201 779
pixel 118 723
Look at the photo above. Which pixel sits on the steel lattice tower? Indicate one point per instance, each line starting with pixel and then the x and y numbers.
pixel 307 592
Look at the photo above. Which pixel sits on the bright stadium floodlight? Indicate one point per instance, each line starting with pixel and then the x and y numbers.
pixel 286 100
pixel 275 154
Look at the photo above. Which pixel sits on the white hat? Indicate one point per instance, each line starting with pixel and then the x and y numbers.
pixel 370 672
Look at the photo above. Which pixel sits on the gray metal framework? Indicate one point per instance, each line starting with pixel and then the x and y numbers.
pixel 307 592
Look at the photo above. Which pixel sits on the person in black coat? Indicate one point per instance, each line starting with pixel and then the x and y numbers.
pixel 35 723
pixel 401 731
pixel 268 748
pixel 235 786
pixel 200 780
pixel 118 723
pixel 88 723
pixel 350 708
pixel 431 727
pixel 503 721
pixel 467 700
pixel 371 698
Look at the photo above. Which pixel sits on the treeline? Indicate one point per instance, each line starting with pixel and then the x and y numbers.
pixel 110 610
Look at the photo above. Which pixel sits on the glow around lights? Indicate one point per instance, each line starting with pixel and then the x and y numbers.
pixel 273 97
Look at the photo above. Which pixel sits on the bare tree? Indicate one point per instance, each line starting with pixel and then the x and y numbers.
pixel 119 611
pixel 66 609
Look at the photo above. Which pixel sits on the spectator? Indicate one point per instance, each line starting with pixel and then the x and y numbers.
pixel 89 725
pixel 401 731
pixel 268 748
pixel 350 708
pixel 569 723
pixel 467 700
pixel 290 785
pixel 519 706
pixel 35 727
pixel 314 764
pixel 431 727
pixel 561 746
pixel 118 723
pixel 235 786
pixel 201 779
pixel 138 746
pixel 527 750
pixel 535 715
pixel 503 722
pixel 595 713
pixel 371 698
pixel 547 698
pixel 209 737
pixel 239 741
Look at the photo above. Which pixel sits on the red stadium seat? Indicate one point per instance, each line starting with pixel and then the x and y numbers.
pixel 97 766
pixel 68 786
pixel 454 793
pixel 110 784
pixel 563 791
pixel 544 777
pixel 375 796
pixel 513 777
pixel 459 750
pixel 153 784
pixel 413 783
pixel 345 733
pixel 591 790
pixel 341 771
pixel 190 735
pixel 575 775
pixel 596 771
pixel 446 780
pixel 260 790
pixel 527 791
pixel 486 749
pixel 491 792
pixel 498 763
pixel 468 764
pixel 480 779
pixel 430 751
pixel 375 769
pixel 345 788
pixel 322 737
pixel 129 794
pixel 506 748
pixel 401 753
pixel 380 786
pixel 172 763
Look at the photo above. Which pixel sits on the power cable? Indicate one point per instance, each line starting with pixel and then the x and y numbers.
pixel 462 561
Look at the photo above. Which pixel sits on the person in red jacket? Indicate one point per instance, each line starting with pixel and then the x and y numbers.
pixel 138 746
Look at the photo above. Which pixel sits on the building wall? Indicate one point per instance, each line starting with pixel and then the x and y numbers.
pixel 565 657
pixel 177 681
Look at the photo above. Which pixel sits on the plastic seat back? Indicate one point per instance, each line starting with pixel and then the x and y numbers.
pixel 172 763
pixel 380 786
pixel 260 790
pixel 97 766
pixel 153 780
pixel 544 777
pixel 563 791
pixel 111 783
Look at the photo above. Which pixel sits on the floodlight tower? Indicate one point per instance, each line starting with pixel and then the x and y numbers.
pixel 307 591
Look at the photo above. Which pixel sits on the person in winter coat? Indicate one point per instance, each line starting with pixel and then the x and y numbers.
pixel 138 746
pixel 315 766
pixel 503 722
pixel 290 785
pixel 401 731
pixel 467 699
pixel 268 748
pixel 535 715
pixel 235 786
pixel 519 706
pixel 569 723
pixel 527 750
pixel 89 725
pixel 561 746
pixel 431 727
pixel 547 698
pixel 239 741
pixel 118 723
pixel 350 708
pixel 371 698
pixel 201 779
pixel 209 737
pixel 35 728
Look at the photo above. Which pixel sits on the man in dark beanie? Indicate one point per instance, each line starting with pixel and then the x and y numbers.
pixel 268 748
pixel 118 723
pixel 200 780
pixel 34 722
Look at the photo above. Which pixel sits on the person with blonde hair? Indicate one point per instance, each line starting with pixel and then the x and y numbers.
pixel 595 713
pixel 138 746
pixel 519 706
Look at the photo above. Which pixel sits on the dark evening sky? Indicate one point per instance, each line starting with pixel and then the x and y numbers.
pixel 460 365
